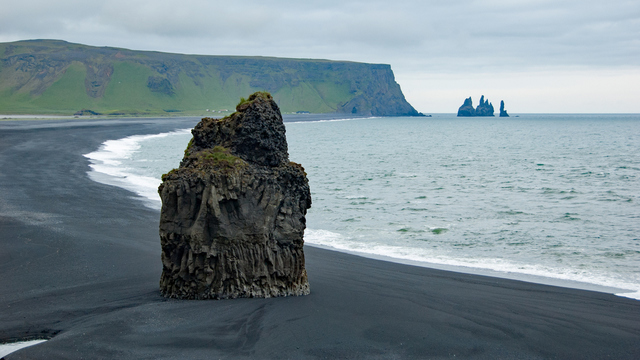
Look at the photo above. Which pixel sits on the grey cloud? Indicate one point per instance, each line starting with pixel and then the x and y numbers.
pixel 459 34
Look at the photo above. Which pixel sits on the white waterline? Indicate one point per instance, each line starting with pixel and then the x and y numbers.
pixel 106 170
pixel 106 167
pixel 330 120
pixel 531 278
pixel 6 349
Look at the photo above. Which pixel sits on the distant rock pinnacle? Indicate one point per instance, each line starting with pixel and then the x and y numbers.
pixel 503 112
pixel 467 108
pixel 485 108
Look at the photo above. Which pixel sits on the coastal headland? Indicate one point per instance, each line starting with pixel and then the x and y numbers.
pixel 80 266
pixel 62 78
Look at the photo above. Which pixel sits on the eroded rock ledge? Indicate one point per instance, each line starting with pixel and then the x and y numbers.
pixel 233 213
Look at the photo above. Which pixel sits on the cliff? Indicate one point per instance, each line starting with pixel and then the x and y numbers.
pixel 51 76
pixel 233 213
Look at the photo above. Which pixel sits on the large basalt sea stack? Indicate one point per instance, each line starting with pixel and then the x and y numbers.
pixel 233 213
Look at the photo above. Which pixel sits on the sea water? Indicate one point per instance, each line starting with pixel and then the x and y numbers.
pixel 545 198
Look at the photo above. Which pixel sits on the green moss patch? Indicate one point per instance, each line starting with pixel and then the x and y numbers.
pixel 244 103
pixel 218 157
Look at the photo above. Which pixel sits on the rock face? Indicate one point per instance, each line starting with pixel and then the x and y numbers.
pixel 467 108
pixel 503 112
pixel 485 108
pixel 376 94
pixel 233 213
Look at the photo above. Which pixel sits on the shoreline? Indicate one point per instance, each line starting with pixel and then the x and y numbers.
pixel 81 265
pixel 149 198
pixel 286 117
pixel 523 277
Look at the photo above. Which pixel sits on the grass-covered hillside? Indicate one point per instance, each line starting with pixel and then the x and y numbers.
pixel 57 77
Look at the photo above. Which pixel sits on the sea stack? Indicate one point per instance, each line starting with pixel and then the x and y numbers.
pixel 503 112
pixel 467 108
pixel 485 108
pixel 233 213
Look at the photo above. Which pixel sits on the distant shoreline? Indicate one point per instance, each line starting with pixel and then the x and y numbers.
pixel 286 117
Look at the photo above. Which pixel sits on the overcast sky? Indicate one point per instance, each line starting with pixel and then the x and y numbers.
pixel 536 55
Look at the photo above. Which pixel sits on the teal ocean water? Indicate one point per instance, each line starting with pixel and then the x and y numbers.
pixel 545 198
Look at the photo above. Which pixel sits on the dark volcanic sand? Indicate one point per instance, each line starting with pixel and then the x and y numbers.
pixel 80 264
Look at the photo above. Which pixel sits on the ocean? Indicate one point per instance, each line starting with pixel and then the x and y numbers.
pixel 553 199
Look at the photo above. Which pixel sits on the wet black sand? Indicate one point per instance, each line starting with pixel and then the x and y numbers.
pixel 80 264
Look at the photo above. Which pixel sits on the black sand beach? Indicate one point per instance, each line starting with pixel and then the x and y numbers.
pixel 80 264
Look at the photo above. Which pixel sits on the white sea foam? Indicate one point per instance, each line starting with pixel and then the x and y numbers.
pixel 107 164
pixel 6 349
pixel 631 295
pixel 523 231
pixel 558 276
pixel 330 120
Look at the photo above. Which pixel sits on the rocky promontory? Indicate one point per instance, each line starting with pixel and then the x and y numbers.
pixel 485 108
pixel 233 213
pixel 159 83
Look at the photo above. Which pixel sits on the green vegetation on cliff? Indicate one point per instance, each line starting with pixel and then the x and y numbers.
pixel 57 77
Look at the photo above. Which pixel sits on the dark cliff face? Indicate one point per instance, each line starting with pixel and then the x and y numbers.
pixel 233 214
pixel 378 95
